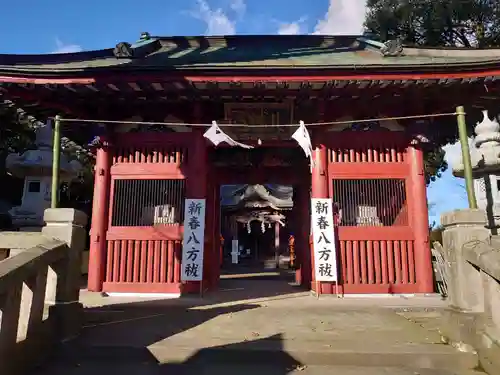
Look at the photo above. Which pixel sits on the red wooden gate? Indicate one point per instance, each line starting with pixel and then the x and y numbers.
pixel 370 177
pixel 148 188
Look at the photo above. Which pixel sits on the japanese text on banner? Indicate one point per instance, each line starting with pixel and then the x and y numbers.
pixel 325 250
pixel 193 242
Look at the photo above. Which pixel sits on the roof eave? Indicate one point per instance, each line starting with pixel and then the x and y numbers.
pixel 383 68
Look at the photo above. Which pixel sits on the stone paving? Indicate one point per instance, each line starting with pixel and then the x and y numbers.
pixel 268 328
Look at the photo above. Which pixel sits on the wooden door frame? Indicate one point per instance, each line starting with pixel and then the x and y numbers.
pixel 285 175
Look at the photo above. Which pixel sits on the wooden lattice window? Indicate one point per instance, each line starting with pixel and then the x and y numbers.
pixel 371 202
pixel 139 203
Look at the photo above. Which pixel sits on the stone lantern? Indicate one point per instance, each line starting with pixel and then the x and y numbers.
pixel 485 159
pixel 35 167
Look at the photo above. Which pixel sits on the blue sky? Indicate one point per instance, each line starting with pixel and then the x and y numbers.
pixel 68 26
pixel 52 25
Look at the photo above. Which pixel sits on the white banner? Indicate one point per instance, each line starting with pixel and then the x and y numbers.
pixel 216 135
pixel 193 242
pixel 303 138
pixel 325 249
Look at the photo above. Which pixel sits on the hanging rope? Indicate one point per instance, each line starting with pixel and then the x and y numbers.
pixel 329 123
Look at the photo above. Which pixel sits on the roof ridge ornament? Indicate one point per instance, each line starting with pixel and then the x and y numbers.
pixel 392 48
pixel 123 50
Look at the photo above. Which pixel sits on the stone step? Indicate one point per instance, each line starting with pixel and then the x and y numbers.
pixel 428 356
pixel 148 368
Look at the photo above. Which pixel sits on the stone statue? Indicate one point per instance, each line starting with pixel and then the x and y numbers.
pixel 485 159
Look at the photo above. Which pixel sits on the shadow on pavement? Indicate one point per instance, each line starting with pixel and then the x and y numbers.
pixel 119 336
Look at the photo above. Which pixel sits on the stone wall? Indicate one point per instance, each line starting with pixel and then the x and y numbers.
pixel 472 255
pixel 39 290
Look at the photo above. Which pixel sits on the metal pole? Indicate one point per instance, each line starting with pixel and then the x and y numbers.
pixel 56 153
pixel 464 143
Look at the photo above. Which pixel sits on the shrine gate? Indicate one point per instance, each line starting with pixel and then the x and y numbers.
pixel 151 101
pixel 382 233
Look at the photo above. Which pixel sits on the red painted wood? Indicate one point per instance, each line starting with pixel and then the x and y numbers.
pixel 196 188
pixel 370 267
pixel 170 261
pixel 404 263
pixel 371 259
pixel 145 171
pixel 356 263
pixel 376 233
pixel 349 265
pixel 346 75
pixel 375 259
pixel 319 189
pixel 419 221
pixel 137 265
pixel 397 262
pixel 143 262
pixel 342 261
pixel 116 262
pixel 390 261
pixel 385 262
pixel 100 213
pixel 357 271
pixel 163 262
pixel 363 258
pixel 411 263
pixel 156 266
pixel 123 261
pixel 109 260
pixel 177 262
pixel 300 76
pixel 302 246
pixel 213 232
pixel 377 262
pixel 157 232
pixel 130 261
pixel 367 170
pixel 150 261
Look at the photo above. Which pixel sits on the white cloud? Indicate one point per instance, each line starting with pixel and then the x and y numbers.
pixel 238 6
pixel 344 17
pixel 453 152
pixel 66 48
pixel 293 28
pixel 217 20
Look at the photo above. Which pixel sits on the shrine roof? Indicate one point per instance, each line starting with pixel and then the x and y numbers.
pixel 257 196
pixel 248 52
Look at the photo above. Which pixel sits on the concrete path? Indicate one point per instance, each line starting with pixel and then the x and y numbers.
pixel 265 329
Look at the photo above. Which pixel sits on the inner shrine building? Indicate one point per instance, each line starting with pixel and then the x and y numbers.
pixel 151 102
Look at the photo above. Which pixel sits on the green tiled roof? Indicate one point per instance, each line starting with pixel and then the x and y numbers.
pixel 248 52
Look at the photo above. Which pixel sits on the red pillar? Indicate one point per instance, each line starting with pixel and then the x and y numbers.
pixel 319 189
pixel 196 187
pixel 301 230
pixel 100 218
pixel 419 220
pixel 197 180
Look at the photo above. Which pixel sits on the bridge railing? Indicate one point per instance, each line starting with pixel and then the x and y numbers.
pixel 472 255
pixel 39 290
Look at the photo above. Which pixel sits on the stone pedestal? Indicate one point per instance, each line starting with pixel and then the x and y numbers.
pixel 462 227
pixel 63 283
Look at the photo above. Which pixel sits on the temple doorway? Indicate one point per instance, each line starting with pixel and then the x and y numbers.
pixel 263 213
pixel 256 230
